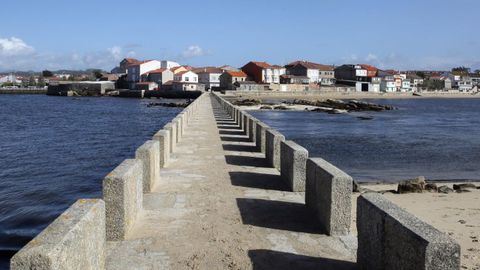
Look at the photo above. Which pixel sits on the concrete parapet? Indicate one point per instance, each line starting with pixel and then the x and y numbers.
pixel 273 140
pixel 149 154
pixel 75 240
pixel 245 123
pixel 163 137
pixel 293 160
pixel 328 193
pixel 252 129
pixel 178 129
pixel 171 128
pixel 391 238
pixel 123 196
pixel 260 140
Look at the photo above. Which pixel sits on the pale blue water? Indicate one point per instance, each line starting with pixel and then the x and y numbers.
pixel 55 150
pixel 436 138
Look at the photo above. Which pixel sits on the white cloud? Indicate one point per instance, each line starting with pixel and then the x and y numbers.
pixel 116 52
pixel 14 46
pixel 371 57
pixel 17 55
pixel 193 51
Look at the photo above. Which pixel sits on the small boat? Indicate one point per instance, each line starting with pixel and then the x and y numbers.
pixel 417 94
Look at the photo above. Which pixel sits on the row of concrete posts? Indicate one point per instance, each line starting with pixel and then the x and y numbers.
pixel 388 236
pixel 77 238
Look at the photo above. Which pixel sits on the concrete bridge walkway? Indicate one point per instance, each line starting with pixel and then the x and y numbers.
pixel 220 207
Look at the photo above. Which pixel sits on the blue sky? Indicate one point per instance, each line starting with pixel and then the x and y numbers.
pixel 421 34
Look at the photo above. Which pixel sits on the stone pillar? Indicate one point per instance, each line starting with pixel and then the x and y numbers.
pixel 123 196
pixel 163 137
pixel 149 154
pixel 178 129
pixel 260 140
pixel 391 238
pixel 245 123
pixel 273 147
pixel 293 165
pixel 76 239
pixel 328 193
pixel 252 128
pixel 172 129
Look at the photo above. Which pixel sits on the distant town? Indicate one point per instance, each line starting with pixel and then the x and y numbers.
pixel 156 75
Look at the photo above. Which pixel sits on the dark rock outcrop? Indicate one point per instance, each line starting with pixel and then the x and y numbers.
pixel 444 189
pixel 416 185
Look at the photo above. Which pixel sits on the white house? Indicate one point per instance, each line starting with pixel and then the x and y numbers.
pixel 9 79
pixel 210 77
pixel 135 71
pixel 169 64
pixel 388 84
pixel 186 81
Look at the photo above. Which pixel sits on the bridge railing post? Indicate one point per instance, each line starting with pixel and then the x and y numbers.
pixel 76 239
pixel 391 238
pixel 123 196
pixel 328 193
pixel 149 154
pixel 293 165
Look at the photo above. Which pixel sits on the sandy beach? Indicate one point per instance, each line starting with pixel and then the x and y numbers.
pixel 457 214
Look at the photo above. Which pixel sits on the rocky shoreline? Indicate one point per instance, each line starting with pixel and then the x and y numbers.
pixel 332 106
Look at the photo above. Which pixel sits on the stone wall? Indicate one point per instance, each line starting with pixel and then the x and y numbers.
pixel 388 237
pixel 77 239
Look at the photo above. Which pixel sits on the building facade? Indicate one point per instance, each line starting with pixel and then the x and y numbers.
pixel 316 73
pixel 262 72
pixel 135 71
pixel 229 78
pixel 209 76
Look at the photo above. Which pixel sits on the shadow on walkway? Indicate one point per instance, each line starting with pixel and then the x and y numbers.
pixel 231 132
pixel 239 148
pixel 234 139
pixel 246 161
pixel 258 180
pixel 263 259
pixel 288 216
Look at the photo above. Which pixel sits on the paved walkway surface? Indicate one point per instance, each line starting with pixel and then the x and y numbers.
pixel 220 207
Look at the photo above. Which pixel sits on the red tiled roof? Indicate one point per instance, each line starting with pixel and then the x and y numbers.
pixel 311 65
pixel 262 64
pixel 208 70
pixel 175 68
pixel 236 73
pixel 182 72
pixel 138 63
pixel 368 67
pixel 156 71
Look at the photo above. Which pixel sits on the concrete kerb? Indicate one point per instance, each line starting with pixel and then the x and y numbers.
pixel 123 196
pixel 273 142
pixel 328 193
pixel 260 140
pixel 391 238
pixel 76 239
pixel 149 154
pixel 293 162
pixel 163 137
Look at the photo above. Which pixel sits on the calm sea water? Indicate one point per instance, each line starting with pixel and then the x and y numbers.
pixel 436 138
pixel 55 150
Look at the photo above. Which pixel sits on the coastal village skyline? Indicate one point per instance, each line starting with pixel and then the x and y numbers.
pixel 407 36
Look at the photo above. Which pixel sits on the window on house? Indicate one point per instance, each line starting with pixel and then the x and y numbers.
pixel 194 79
pixel 187 79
